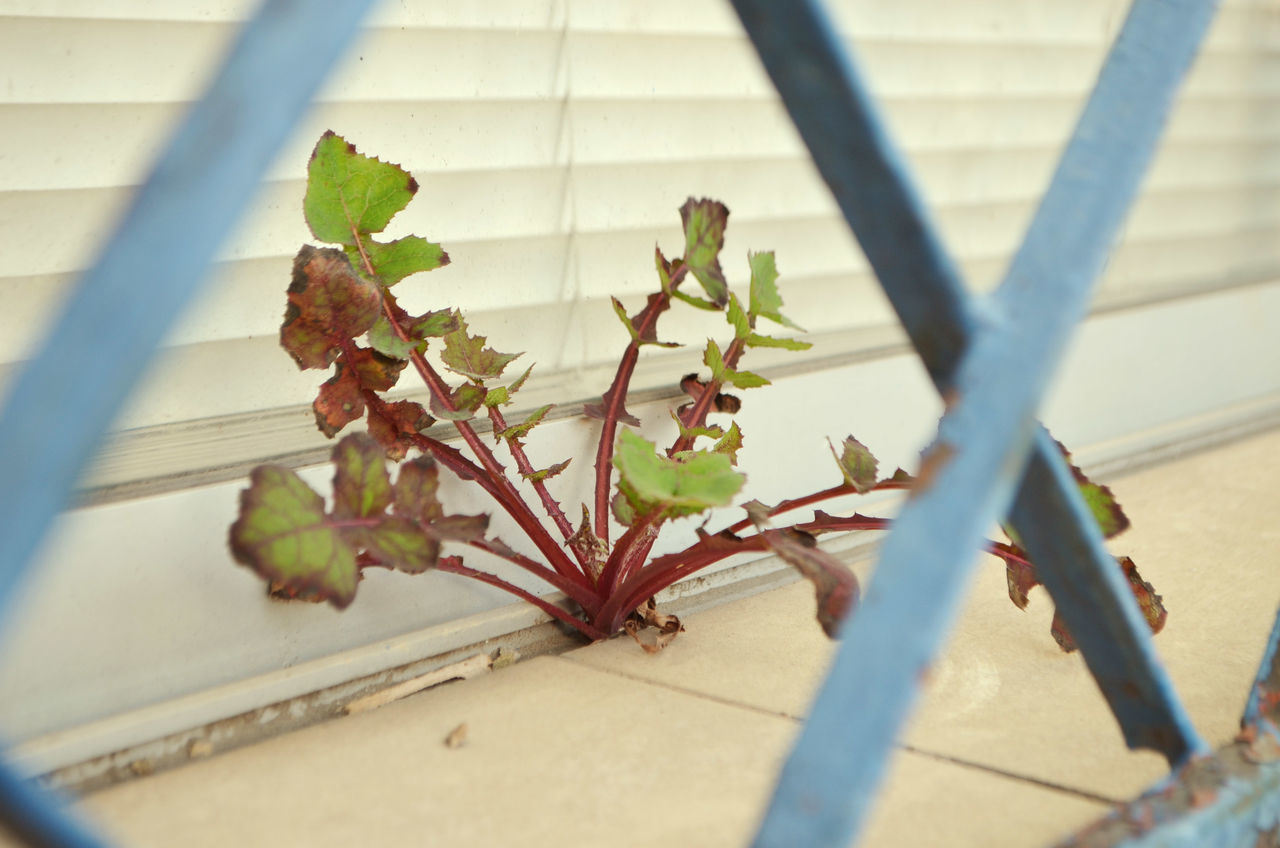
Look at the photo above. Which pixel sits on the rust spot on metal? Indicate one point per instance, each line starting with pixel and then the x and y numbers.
pixel 935 458
pixel 1263 747
pixel 1268 701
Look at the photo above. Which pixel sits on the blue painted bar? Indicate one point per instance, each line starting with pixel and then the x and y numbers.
pixel 871 182
pixel 67 395
pixel 36 817
pixel 1263 705
pixel 1097 605
pixel 1231 799
pixel 1225 801
pixel 969 475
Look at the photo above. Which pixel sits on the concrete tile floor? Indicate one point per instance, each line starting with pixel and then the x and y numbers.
pixel 605 745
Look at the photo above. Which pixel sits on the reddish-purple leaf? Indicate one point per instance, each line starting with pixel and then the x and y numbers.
pixel 546 473
pixel 402 544
pixel 395 429
pixel 339 402
pixel 416 490
pixel 691 385
pixel 466 399
pixel 329 304
pixel 283 534
pixel 648 334
pixel 438 323
pixel 460 528
pixel 834 584
pixel 704 223
pixel 1151 604
pixel 590 549
pixel 375 370
pixel 600 411
pixel 361 486
pixel 857 464
pixel 1022 578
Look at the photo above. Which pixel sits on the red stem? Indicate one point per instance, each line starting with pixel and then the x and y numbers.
pixel 575 584
pixel 640 535
pixel 511 499
pixel 616 397
pixel 634 547
pixel 549 503
pixel 696 416
pixel 587 600
pixel 453 565
pixel 663 572
pixel 513 503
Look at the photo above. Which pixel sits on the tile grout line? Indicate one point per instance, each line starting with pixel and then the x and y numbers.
pixel 1083 794
pixel 1011 775
pixel 706 696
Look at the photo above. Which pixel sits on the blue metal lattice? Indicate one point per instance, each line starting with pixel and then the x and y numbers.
pixel 69 392
pixel 991 359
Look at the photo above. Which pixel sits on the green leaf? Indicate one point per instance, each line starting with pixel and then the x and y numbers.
pixel 623 512
pixel 339 402
pixel 857 464
pixel 712 432
pixel 501 395
pixel 649 338
pixel 329 304
pixel 547 473
pixel 695 301
pixel 351 195
pixel 282 535
pixel 757 340
pixel 467 398
pixel 621 312
pixel 393 261
pixel 714 360
pixel 441 322
pixel 704 224
pixel 1102 503
pixel 744 379
pixel 467 355
pixel 403 545
pixel 519 431
pixel 383 339
pixel 765 300
pixel 738 319
pixel 682 485
pixel 361 486
pixel 730 443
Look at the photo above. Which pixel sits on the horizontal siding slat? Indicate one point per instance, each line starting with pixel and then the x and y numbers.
pixel 555 140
